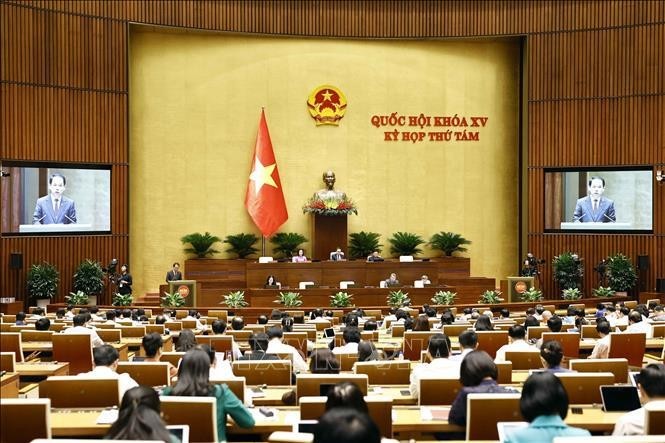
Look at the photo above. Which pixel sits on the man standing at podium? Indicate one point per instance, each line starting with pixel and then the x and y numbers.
pixel 174 273
pixel 595 207
pixel 55 208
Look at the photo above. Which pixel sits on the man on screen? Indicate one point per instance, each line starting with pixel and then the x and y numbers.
pixel 595 207
pixel 55 207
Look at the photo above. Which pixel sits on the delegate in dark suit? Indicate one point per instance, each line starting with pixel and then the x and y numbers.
pixel 45 213
pixel 173 275
pixel 604 212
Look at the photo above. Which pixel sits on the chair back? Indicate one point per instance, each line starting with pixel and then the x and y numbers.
pixel 385 372
pixel 75 349
pixel 147 373
pixel 505 372
pixel 239 336
pixel 491 341
pixel 584 387
pixel 658 330
pixel 379 406
pixel 11 342
pixel 376 313
pixel 617 366
pixel 570 342
pixel 36 335
pixel 218 343
pixel 199 413
pixel 369 335
pixel 524 359
pixel 437 391
pixel 181 313
pixel 629 345
pixel 8 361
pixel 154 328
pixel 534 332
pixel 308 385
pixel 221 315
pixel 589 331
pixel 414 342
pixel 397 330
pixel 110 335
pixel 172 357
pixel 133 331
pixel 24 419
pixel 188 324
pixel 258 372
pixel 68 391
pixel 256 328
pixel 298 340
pixel 346 361
pixel 57 327
pixel 654 419
pixel 455 330
pixel 237 385
pixel 173 325
pixel 484 411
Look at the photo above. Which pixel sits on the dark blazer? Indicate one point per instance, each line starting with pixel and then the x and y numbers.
pixel 125 284
pixel 44 214
pixel 604 214
pixel 258 355
pixel 170 276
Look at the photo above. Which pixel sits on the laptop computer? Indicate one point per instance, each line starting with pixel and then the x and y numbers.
pixel 179 431
pixel 634 377
pixel 505 428
pixel 619 398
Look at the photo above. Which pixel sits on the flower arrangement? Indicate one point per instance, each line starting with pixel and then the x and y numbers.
pixel 330 206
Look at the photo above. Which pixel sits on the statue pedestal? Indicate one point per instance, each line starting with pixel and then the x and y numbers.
pixel 329 232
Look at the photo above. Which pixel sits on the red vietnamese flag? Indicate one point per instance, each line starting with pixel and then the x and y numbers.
pixel 264 199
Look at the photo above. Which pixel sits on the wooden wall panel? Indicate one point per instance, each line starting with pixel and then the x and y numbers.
pixel 594 75
pixel 44 48
pixel 371 19
pixel 603 63
pixel 59 124
pixel 64 252
pixel 631 131
pixel 592 248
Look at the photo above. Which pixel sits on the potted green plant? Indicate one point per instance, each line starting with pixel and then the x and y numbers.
pixel 571 294
pixel 405 243
pixel 287 243
pixel 121 299
pixel 201 244
pixel 444 297
pixel 398 299
pixel 77 298
pixel 490 297
pixel 448 243
pixel 621 275
pixel 568 270
pixel 341 299
pixel 235 300
pixel 242 244
pixel 89 279
pixel 362 244
pixel 42 282
pixel 172 300
pixel 604 292
pixel 289 299
pixel 532 294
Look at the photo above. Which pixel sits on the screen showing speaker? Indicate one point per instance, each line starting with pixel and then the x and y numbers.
pixel 55 199
pixel 599 199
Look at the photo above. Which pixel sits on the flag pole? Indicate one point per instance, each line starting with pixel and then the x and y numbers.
pixel 263 246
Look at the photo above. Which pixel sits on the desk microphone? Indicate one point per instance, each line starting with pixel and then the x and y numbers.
pixel 577 219
pixel 70 219
pixel 37 221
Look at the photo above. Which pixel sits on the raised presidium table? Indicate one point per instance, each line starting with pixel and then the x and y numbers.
pixel 54 227
pixel 595 225
pixel 406 419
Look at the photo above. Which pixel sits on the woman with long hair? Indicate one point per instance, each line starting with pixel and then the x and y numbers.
pixel 194 381
pixel 186 341
pixel 138 418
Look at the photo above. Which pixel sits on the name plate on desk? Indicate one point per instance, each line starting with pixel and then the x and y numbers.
pixel 55 227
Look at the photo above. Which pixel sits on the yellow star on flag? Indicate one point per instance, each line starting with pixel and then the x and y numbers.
pixel 262 175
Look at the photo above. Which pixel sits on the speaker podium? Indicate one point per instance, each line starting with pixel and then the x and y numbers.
pixel 517 285
pixel 186 288
pixel 329 232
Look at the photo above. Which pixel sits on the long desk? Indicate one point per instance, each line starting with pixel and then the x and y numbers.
pixel 47 346
pixel 42 369
pixel 406 419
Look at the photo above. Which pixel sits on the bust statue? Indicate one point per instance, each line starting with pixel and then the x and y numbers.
pixel 329 193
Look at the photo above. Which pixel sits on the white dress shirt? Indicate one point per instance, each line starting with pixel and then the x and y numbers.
pixel 276 346
pixel 125 382
pixel 641 326
pixel 96 341
pixel 438 368
pixel 516 345
pixel 349 348
pixel 632 423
